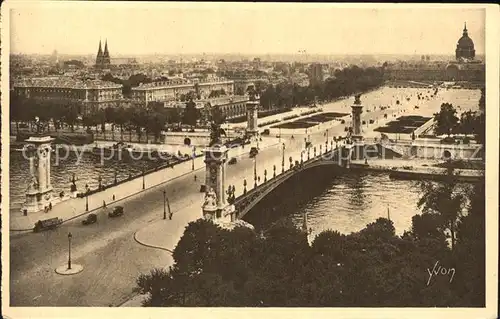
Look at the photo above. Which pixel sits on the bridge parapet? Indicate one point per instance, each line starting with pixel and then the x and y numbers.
pixel 247 200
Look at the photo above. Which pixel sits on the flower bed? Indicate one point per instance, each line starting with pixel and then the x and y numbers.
pixel 295 125
pixel 403 124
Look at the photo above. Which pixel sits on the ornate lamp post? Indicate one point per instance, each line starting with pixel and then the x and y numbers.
pixel 143 179
pixel 255 172
pixel 265 175
pixel 87 197
pixel 290 159
pixel 69 250
pixel 192 158
pixel 244 186
pixel 283 159
pixel 274 171
pixel 164 204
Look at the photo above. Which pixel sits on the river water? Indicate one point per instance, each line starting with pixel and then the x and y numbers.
pixel 87 171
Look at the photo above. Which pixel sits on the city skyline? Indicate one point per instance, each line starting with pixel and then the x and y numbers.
pixel 225 29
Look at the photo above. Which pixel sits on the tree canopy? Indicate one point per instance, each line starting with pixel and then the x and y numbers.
pixel 373 267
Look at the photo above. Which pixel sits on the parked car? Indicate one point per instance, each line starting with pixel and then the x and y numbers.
pixel 91 218
pixel 342 122
pixel 50 223
pixel 232 161
pixel 117 211
pixel 266 132
pixel 253 152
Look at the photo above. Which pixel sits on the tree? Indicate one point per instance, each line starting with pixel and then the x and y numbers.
pixel 70 116
pixel 468 123
pixel 471 250
pixel 446 120
pixel 191 114
pixel 217 118
pixel 445 200
pixel 156 123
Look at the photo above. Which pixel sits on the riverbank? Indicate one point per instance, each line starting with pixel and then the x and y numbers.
pixel 417 170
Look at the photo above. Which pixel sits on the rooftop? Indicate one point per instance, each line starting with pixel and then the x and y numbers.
pixel 69 83
pixel 178 82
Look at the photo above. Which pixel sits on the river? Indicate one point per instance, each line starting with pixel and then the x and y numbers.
pixel 339 201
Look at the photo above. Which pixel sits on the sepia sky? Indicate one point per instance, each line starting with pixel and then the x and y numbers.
pixel 272 28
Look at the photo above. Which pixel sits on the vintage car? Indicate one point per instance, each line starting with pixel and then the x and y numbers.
pixel 50 223
pixel 253 152
pixel 91 218
pixel 232 161
pixel 117 211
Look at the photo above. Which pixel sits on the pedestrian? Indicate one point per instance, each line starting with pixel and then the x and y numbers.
pixel 170 214
pixel 195 178
pixel 50 206
pixel 113 197
pixel 103 204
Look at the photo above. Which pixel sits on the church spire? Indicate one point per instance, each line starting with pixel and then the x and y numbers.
pixel 99 52
pixel 106 53
pixel 465 28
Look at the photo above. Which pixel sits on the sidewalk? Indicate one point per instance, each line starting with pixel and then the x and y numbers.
pixel 75 207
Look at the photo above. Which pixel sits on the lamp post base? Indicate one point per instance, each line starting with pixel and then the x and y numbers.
pixel 63 270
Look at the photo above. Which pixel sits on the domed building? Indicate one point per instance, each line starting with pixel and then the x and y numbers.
pixel 465 47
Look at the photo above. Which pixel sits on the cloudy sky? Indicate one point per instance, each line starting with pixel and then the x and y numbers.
pixel 240 28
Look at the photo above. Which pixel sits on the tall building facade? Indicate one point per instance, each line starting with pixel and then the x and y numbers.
pixel 88 95
pixel 103 59
pixel 171 90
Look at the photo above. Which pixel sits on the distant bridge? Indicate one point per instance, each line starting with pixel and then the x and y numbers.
pixel 312 158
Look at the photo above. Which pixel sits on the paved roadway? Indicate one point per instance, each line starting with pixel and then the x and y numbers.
pixel 111 258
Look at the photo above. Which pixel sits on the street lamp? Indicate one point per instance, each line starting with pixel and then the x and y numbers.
pixel 164 204
pixel 69 250
pixel 87 198
pixel 192 158
pixel 283 159
pixel 255 172
pixel 143 180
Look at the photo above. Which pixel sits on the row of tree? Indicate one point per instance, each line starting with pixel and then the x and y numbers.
pixel 345 82
pixel 469 123
pixel 152 119
pixel 372 267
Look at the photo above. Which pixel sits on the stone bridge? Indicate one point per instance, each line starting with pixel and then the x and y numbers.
pixel 244 203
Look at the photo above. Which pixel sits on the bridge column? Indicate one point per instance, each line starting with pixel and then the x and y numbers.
pixel 358 150
pixel 357 109
pixel 252 117
pixel 39 192
pixel 215 205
